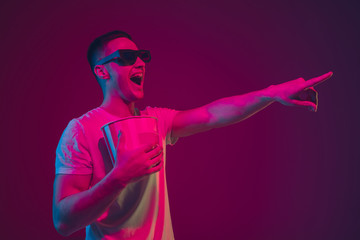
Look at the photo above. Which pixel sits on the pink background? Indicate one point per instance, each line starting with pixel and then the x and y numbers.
pixel 285 173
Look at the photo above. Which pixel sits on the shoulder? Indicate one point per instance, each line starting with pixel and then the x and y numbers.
pixel 159 112
pixel 92 116
pixel 165 118
pixel 92 119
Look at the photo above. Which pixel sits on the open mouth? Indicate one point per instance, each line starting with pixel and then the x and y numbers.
pixel 137 78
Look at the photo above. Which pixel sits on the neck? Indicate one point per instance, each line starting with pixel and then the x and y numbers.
pixel 118 107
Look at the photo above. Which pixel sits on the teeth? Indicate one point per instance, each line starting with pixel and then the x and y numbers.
pixel 137 75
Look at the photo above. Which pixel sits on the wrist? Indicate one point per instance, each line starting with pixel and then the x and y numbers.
pixel 268 94
pixel 118 179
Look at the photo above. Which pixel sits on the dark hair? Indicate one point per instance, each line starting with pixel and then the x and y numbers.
pixel 98 45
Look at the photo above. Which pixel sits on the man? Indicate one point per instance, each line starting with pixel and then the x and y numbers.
pixel 129 200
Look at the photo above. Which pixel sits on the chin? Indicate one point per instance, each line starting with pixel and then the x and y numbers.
pixel 137 97
pixel 140 95
pixel 140 98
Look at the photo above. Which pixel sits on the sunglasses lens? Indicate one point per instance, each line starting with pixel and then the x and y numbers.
pixel 128 57
pixel 145 55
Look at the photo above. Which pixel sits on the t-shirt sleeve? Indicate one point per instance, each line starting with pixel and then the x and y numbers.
pixel 165 118
pixel 72 153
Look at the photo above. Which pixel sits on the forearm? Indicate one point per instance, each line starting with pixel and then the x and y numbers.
pixel 81 209
pixel 220 113
pixel 234 109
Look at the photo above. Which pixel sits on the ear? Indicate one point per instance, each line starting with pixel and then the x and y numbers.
pixel 101 72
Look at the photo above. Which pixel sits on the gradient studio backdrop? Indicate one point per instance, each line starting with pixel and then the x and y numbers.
pixel 285 173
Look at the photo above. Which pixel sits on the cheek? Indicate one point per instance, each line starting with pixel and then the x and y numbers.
pixel 121 71
pixel 121 76
pixel 123 83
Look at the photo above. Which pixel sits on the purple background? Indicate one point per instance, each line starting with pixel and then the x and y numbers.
pixel 285 173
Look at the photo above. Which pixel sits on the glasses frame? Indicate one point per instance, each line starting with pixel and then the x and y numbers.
pixel 117 54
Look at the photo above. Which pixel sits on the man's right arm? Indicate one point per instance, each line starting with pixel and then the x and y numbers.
pixel 76 206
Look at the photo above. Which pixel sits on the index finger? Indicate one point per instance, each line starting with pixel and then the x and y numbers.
pixel 317 80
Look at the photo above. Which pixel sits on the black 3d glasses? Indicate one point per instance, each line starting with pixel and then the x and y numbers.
pixel 126 57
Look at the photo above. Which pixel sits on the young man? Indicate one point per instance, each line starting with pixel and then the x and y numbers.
pixel 129 200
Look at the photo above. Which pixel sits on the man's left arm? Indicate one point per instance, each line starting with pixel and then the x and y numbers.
pixel 227 111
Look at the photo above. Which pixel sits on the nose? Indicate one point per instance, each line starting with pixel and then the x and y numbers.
pixel 139 63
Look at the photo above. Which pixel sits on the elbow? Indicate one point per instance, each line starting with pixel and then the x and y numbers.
pixel 62 228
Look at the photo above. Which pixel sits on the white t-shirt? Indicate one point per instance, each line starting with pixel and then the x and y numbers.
pixel 141 210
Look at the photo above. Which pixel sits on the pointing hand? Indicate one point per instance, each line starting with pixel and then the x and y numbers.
pixel 298 92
